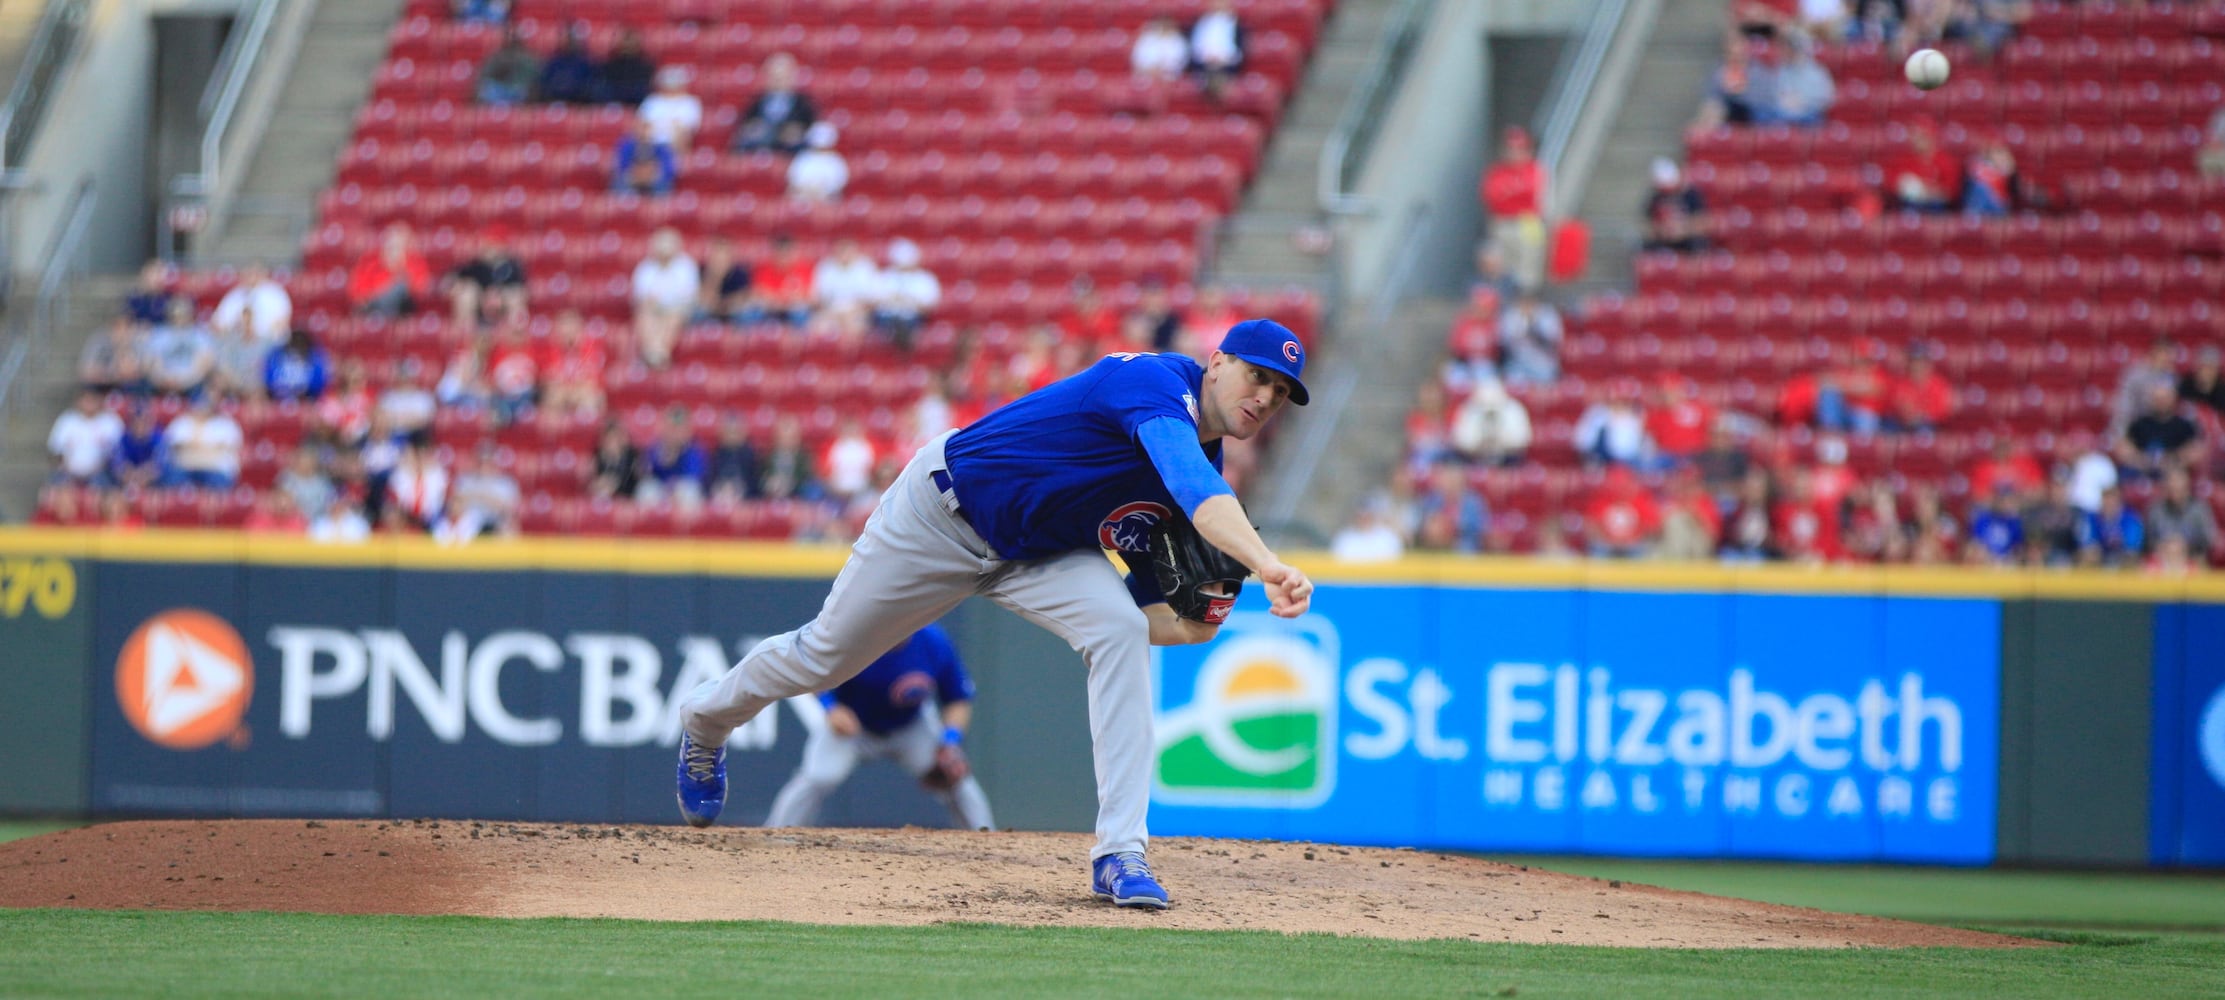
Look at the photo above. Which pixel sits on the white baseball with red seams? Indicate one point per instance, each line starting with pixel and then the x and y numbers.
pixel 1926 69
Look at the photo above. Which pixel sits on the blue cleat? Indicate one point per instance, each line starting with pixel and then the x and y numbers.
pixel 702 782
pixel 1125 880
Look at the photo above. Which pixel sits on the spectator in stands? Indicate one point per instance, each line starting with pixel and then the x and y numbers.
pixel 1492 274
pixel 1805 528
pixel 1690 521
pixel 2210 159
pixel 140 456
pixel 1987 24
pixel 1160 54
pixel 1370 537
pixel 240 362
pixel 1204 324
pixel 908 293
pixel 408 402
pixel 1217 47
pixel 1514 196
pixel 1429 428
pixel 1925 178
pixel 1088 318
pixel 149 301
pixel 417 488
pixel 1877 20
pixel 391 280
pixel 572 383
pixel 1621 519
pixel 1530 336
pixel 1852 398
pixel 343 415
pixel 673 467
pixel 780 288
pixel 2137 385
pixel 2009 467
pixel 571 75
pixel 463 385
pixel 2051 526
pixel 304 480
pixel 480 11
pixel 1997 527
pixel 1472 347
pixel 733 473
pixel 722 294
pixel 2204 384
pixel 1993 186
pixel 299 370
pixel 665 286
pixel 673 114
pixel 615 473
pixel 181 356
pixel 485 499
pixel 1678 424
pixel 1925 25
pixel 1155 308
pixel 363 473
pixel 1612 431
pixel 642 164
pixel 1730 91
pixel 490 287
pixel 1873 530
pixel 845 284
pixel 818 173
pixel 1491 427
pixel 1724 463
pixel 788 472
pixel 274 513
pixel 1921 399
pixel 1451 517
pixel 2177 513
pixel 510 74
pixel 342 523
pixel 1675 212
pixel 848 463
pixel 629 73
pixel 2091 471
pixel 258 304
pixel 1824 20
pixel 114 359
pixel 780 114
pixel 83 441
pixel 1934 536
pixel 515 366
pixel 1747 533
pixel 2160 438
pixel 2170 556
pixel 1801 90
pixel 205 444
pixel 2112 535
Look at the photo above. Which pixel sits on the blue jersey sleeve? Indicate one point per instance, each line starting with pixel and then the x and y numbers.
pixel 952 684
pixel 1143 585
pixel 1189 475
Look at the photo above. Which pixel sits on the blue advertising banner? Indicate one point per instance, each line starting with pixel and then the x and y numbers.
pixel 2187 793
pixel 1832 728
pixel 245 690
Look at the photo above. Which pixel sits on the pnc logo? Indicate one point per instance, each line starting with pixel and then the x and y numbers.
pixel 184 679
pixel 1260 728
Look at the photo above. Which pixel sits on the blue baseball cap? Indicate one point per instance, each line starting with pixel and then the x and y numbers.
pixel 1272 346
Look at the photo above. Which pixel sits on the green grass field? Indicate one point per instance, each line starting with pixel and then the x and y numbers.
pixel 2127 935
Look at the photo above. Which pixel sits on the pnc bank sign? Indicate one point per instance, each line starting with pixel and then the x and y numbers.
pixel 185 679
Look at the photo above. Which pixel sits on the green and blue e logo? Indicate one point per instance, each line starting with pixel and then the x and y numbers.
pixel 1248 721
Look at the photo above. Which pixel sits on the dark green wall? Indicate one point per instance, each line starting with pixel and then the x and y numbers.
pixel 43 755
pixel 1030 740
pixel 2076 701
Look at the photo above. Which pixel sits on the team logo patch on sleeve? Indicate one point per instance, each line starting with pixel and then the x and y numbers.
pixel 1128 527
pixel 910 689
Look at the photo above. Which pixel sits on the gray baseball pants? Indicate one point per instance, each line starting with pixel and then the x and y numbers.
pixel 829 759
pixel 917 559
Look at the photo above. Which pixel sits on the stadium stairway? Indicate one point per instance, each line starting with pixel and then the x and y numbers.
pixel 1672 75
pixel 17 22
pixel 300 151
pixel 1256 248
pixel 47 384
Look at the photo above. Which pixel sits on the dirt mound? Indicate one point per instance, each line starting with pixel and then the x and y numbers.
pixel 905 876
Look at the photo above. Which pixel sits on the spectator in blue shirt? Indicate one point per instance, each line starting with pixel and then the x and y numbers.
pixel 571 75
pixel 139 455
pixel 645 166
pixel 673 465
pixel 2112 535
pixel 298 370
pixel 1998 527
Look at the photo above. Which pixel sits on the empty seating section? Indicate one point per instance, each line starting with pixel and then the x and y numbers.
pixel 1004 137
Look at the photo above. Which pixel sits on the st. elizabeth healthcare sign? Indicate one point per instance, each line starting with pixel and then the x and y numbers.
pixel 1740 725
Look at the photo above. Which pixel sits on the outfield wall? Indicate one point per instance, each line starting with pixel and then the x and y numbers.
pixel 1955 717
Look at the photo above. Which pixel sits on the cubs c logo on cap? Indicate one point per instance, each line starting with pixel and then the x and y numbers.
pixel 184 679
pixel 1290 351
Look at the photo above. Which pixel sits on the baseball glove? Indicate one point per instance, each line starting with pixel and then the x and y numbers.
pixel 950 767
pixel 1200 582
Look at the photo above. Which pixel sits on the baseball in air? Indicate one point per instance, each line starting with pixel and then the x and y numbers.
pixel 1927 69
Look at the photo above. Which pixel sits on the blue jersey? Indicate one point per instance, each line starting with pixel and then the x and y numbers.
pixel 1060 469
pixel 889 693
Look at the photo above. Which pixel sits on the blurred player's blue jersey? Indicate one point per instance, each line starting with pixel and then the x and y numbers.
pixel 1060 469
pixel 888 694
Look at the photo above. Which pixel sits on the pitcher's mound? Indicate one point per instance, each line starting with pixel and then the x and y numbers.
pixel 908 876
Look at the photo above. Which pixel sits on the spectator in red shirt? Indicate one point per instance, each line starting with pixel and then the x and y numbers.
pixel 514 366
pixel 1678 423
pixel 1089 320
pixel 1514 194
pixel 1807 528
pixel 573 384
pixel 390 280
pixel 1622 520
pixel 1473 343
pixel 1830 481
pixel 781 288
pixel 2007 466
pixel 1925 178
pixel 1206 321
pixel 1921 399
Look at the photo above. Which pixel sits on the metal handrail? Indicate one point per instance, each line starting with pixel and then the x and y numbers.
pixel 236 63
pixel 1571 88
pixel 31 328
pixel 53 42
pixel 1346 149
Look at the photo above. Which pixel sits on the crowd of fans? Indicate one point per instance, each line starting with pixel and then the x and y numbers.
pixel 1660 472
